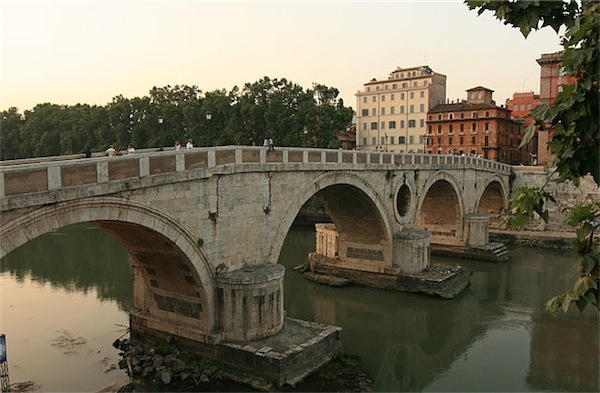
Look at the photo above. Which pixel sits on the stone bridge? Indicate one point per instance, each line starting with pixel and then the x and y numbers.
pixel 204 227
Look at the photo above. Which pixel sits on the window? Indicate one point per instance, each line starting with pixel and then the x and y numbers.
pixel 364 100
pixel 528 107
pixel 422 94
pixel 365 112
pixel 439 141
pixel 394 86
pixel 451 116
pixel 374 125
pixel 365 126
pixel 461 140
pixel 450 129
pixel 487 114
pixel 430 128
pixel 373 141
pixel 374 111
pixel 412 124
pixel 383 111
pixel 422 108
pixel 462 127
pixel 421 139
pixel 439 117
pixel 382 98
pixel 429 141
pixel 422 123
pixel 462 115
pixel 392 110
pixel 487 126
pixel 383 125
pixel 515 107
pixel 391 140
pixel 374 98
pixel 392 97
pixel 472 140
pixel 364 141
pixel 450 141
pixel 401 123
pixel 401 96
pixel 486 141
pixel 401 108
pixel 382 141
pixel 386 87
pixel 415 82
pixel 522 107
pixel 474 127
pixel 412 109
pixel 439 128
pixel 404 84
pixel 474 115
pixel 368 88
pixel 412 95
pixel 392 124
pixel 401 140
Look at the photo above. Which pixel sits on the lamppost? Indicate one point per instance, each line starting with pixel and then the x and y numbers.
pixel 305 131
pixel 208 117
pixel 386 140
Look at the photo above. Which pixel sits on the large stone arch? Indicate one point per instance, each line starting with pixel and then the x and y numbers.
pixel 440 210
pixel 493 199
pixel 174 284
pixel 377 225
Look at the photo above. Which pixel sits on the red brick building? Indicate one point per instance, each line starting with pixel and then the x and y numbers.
pixel 552 80
pixel 477 127
pixel 521 105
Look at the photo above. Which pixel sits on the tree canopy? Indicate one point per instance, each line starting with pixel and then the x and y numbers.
pixel 269 107
pixel 574 118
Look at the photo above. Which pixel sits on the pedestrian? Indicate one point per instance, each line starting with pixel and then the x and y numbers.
pixel 271 144
pixel 111 151
pixel 130 149
pixel 189 144
pixel 177 145
pixel 87 152
pixel 266 142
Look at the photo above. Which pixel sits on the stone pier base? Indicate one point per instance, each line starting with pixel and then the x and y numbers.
pixel 287 357
pixel 438 280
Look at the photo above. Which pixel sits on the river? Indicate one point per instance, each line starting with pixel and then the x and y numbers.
pixel 65 298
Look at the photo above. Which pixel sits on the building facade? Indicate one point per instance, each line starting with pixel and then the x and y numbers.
pixel 392 112
pixel 552 80
pixel 475 127
pixel 521 105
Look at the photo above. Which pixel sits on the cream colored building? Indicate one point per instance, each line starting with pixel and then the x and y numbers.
pixel 392 113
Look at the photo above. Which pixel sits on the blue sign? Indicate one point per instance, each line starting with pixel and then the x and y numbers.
pixel 2 348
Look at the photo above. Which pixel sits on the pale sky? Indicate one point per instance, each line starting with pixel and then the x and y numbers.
pixel 69 52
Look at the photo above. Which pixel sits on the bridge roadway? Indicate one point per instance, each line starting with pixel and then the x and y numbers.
pixel 204 227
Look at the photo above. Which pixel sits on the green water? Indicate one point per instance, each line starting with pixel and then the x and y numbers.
pixel 65 298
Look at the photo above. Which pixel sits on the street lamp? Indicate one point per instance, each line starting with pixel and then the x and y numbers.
pixel 305 131
pixel 208 117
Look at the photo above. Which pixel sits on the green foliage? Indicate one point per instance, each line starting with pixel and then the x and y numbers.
pixel 574 118
pixel 268 107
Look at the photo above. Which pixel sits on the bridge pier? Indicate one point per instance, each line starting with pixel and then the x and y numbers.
pixel 409 269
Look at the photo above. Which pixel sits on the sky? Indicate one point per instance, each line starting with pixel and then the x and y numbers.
pixel 88 52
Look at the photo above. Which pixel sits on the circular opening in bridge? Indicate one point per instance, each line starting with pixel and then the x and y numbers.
pixel 403 200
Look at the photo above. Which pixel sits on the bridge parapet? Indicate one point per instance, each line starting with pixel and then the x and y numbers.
pixel 128 172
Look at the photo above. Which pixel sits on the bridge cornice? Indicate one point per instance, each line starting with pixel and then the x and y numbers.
pixel 24 183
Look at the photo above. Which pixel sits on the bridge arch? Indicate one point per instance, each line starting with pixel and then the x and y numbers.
pixel 173 280
pixel 367 221
pixel 493 198
pixel 440 209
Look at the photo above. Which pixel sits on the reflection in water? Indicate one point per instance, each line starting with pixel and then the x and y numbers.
pixel 493 337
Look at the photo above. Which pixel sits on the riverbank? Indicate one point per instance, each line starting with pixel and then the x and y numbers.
pixel 544 239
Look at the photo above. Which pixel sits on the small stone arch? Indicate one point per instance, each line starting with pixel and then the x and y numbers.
pixel 440 210
pixel 174 284
pixel 325 186
pixel 493 200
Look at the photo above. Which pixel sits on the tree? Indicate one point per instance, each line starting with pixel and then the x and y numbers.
pixel 575 147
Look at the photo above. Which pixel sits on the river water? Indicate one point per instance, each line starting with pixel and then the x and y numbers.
pixel 65 298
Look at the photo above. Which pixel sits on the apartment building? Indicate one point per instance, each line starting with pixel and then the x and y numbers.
pixel 392 112
pixel 475 127
pixel 521 105
pixel 552 80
